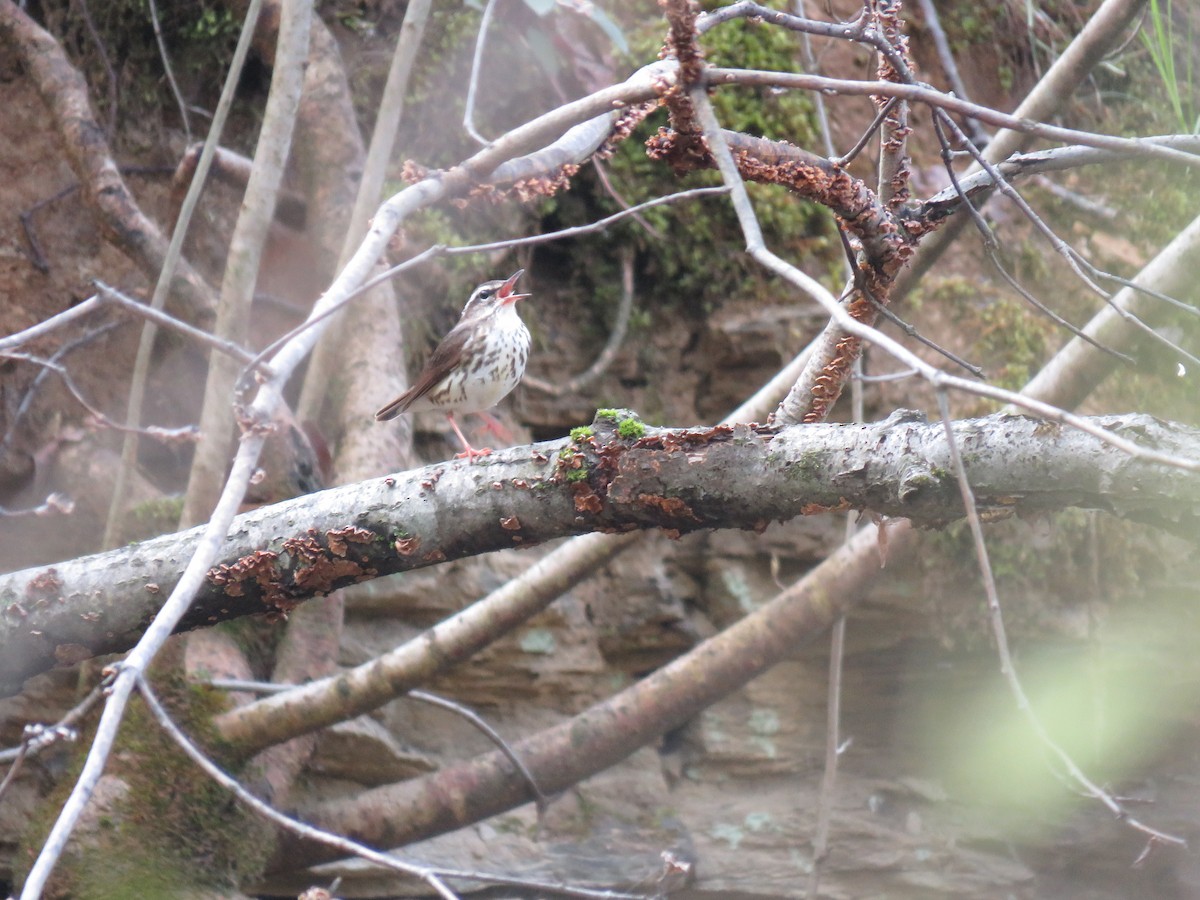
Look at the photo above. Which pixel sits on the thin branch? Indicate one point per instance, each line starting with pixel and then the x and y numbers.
pixel 66 723
pixel 476 721
pixel 438 250
pixel 810 65
pixel 31 393
pixel 913 332
pixel 1068 378
pixel 592 227
pixel 255 217
pixel 833 691
pixel 865 138
pixel 165 320
pixel 327 355
pixel 989 245
pixel 431 875
pixel 35 738
pixel 1150 292
pixel 1073 259
pixel 930 96
pixel 166 61
pixel 1007 668
pixel 934 24
pixel 1101 31
pixel 481 725
pixel 54 504
pixel 757 249
pixel 602 174
pixel 859 284
pixel 611 347
pixel 37 254
pixel 141 365
pixel 186 433
pixel 978 182
pixel 887 376
pixel 476 67
pixel 89 23
pixel 342 845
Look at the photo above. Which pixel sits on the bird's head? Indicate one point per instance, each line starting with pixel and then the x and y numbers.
pixel 493 295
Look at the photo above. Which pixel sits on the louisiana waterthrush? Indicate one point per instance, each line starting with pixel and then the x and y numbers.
pixel 476 365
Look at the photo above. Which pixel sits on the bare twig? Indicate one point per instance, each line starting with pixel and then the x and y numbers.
pixel 166 61
pixel 1075 370
pixel 865 138
pixel 89 23
pixel 438 250
pixel 833 692
pixel 887 376
pixel 37 255
pixel 26 403
pixel 327 354
pixel 54 504
pixel 606 182
pixel 476 721
pixel 920 93
pixel 490 733
pixel 1076 262
pixel 913 332
pixel 342 845
pixel 430 874
pixel 1007 668
pixel 164 320
pixel 990 246
pixel 65 724
pixel 107 296
pixel 1101 32
pixel 256 214
pixel 476 67
pixel 611 347
pixel 166 435
pixel 141 365
pixel 934 24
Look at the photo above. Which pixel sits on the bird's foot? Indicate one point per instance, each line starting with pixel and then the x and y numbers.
pixel 471 453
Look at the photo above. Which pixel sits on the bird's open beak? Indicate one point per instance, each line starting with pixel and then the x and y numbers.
pixel 506 289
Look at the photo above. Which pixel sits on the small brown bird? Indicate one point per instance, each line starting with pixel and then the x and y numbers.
pixel 476 365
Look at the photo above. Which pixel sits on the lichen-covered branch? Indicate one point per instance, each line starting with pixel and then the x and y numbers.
pixel 678 480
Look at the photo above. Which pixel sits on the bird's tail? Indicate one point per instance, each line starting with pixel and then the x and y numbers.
pixel 393 409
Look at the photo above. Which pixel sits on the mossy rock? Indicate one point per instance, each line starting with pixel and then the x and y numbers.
pixel 163 828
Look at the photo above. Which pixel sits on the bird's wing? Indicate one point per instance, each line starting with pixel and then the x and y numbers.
pixel 443 359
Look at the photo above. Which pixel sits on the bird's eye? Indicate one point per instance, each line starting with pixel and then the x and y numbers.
pixel 485 294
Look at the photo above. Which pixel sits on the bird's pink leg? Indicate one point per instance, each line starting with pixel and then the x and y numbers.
pixel 495 426
pixel 469 452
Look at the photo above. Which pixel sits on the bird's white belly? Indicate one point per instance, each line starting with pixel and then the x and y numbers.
pixel 497 362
